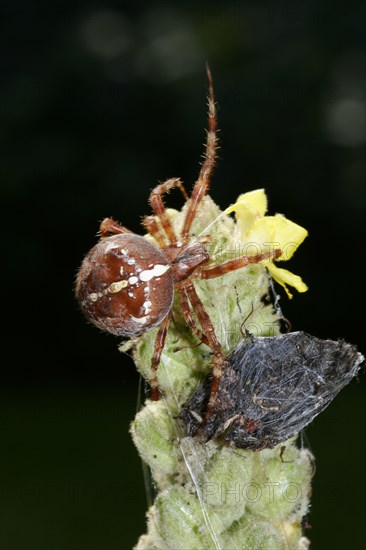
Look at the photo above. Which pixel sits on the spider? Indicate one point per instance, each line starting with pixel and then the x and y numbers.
pixel 126 284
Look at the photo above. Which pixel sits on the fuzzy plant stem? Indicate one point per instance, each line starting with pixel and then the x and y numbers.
pixel 211 496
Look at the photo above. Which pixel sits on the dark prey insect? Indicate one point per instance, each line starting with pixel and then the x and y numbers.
pixel 125 284
pixel 271 388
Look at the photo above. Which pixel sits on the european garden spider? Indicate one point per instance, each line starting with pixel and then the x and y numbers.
pixel 126 284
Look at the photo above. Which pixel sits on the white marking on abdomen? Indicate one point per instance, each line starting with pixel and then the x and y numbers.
pixel 117 286
pixel 157 270
pixel 110 246
pixel 147 306
pixel 140 320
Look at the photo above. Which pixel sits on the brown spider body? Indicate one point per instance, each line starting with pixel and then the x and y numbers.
pixel 126 284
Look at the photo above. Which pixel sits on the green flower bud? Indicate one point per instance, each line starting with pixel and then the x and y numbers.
pixel 154 434
pixel 180 521
pixel 251 533
pixel 281 483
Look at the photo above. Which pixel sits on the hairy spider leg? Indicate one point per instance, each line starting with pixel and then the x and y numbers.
pixel 213 342
pixel 237 263
pixel 202 184
pixel 187 313
pixel 151 226
pixel 157 204
pixel 110 226
pixel 158 348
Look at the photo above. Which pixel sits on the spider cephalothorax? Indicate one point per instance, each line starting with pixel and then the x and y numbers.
pixel 126 284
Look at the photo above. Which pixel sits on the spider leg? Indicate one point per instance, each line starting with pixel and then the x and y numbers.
pixel 182 190
pixel 189 318
pixel 151 225
pixel 158 348
pixel 202 184
pixel 110 226
pixel 218 361
pixel 232 265
pixel 157 204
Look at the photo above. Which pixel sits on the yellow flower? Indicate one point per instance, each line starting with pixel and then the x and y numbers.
pixel 259 233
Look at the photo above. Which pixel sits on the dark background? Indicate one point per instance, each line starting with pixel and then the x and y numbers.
pixel 99 101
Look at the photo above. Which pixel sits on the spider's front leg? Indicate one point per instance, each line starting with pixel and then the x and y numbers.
pixel 204 179
pixel 157 204
pixel 238 263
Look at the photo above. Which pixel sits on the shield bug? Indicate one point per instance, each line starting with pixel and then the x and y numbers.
pixel 271 388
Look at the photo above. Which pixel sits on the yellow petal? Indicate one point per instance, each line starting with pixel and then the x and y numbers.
pixel 278 232
pixel 248 208
pixel 254 200
pixel 289 234
pixel 245 218
pixel 285 277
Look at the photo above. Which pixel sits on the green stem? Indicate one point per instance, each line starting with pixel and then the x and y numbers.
pixel 209 495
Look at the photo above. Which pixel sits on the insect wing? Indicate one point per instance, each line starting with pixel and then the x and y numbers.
pixel 286 381
pixel 272 387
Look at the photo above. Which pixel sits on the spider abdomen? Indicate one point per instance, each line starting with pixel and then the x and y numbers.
pixel 125 285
